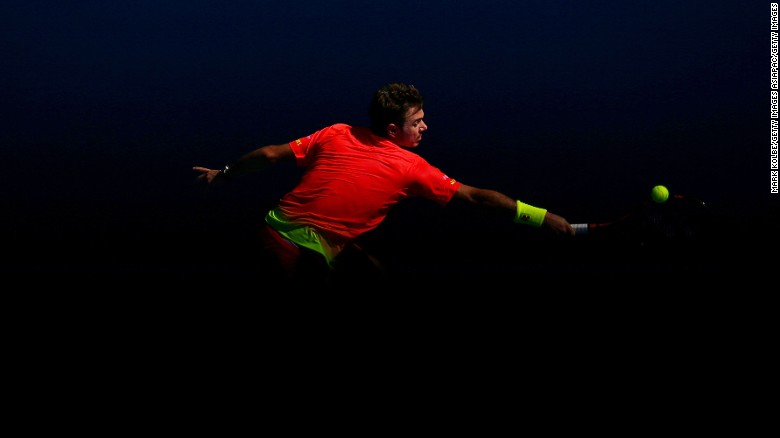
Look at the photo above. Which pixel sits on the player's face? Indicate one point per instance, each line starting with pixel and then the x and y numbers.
pixel 410 134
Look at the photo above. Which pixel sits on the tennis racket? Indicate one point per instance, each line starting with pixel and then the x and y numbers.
pixel 681 219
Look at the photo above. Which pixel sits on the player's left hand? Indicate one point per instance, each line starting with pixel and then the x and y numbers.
pixel 206 174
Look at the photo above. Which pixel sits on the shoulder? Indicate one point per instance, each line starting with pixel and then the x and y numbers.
pixel 356 135
pixel 339 128
pixel 330 131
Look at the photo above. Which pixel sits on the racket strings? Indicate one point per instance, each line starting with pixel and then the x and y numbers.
pixel 681 219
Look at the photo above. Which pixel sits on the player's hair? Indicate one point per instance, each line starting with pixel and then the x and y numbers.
pixel 390 105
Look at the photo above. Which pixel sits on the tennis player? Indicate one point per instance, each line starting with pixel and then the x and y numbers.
pixel 353 176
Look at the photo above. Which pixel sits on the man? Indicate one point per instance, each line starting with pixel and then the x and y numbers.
pixel 353 176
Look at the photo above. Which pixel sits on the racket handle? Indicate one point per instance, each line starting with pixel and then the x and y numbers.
pixel 580 229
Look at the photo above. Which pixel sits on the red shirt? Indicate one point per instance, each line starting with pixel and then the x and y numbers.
pixel 352 179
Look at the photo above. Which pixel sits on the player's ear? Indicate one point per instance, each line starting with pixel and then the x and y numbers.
pixel 392 130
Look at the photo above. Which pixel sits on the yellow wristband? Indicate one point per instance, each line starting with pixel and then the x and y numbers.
pixel 528 214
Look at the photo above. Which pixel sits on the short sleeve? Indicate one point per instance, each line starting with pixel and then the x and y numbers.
pixel 432 183
pixel 303 148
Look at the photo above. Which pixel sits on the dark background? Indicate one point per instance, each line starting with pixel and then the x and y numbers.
pixel 578 107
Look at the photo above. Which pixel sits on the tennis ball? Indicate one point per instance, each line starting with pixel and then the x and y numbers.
pixel 659 194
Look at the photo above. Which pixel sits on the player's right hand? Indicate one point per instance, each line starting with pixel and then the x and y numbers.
pixel 558 224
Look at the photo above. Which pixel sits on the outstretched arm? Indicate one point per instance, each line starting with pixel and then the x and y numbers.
pixel 255 160
pixel 500 202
